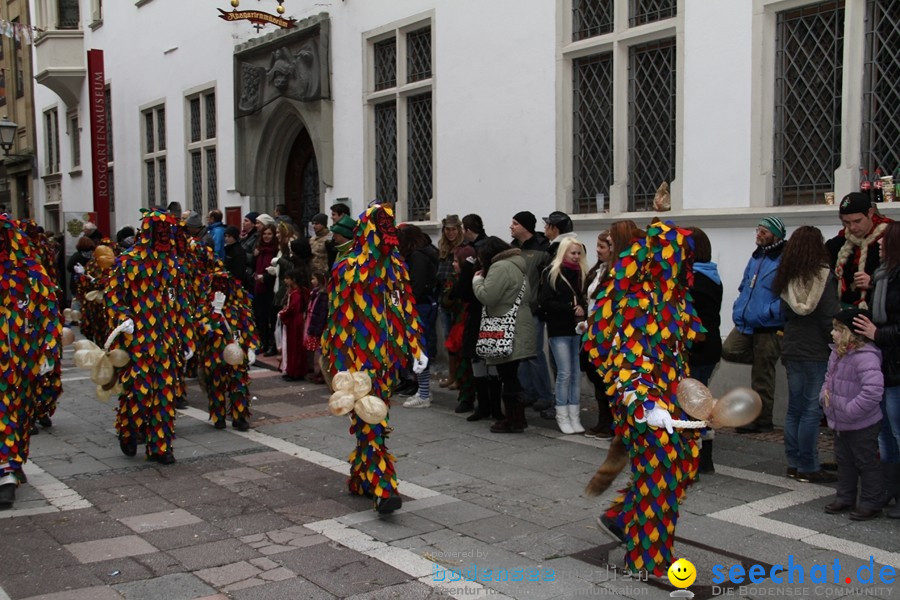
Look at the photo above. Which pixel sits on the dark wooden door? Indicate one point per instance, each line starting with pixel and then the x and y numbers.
pixel 301 182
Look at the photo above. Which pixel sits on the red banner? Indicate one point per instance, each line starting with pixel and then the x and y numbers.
pixel 99 138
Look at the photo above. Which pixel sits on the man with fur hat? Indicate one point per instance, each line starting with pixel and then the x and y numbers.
pixel 318 243
pixel 533 372
pixel 759 320
pixel 854 250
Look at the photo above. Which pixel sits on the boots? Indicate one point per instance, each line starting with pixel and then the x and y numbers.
pixel 562 419
pixel 515 416
pixel 488 402
pixel 706 461
pixel 575 418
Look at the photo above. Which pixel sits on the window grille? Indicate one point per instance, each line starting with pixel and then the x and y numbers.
pixel 197 181
pixel 212 190
pixel 418 55
pixel 591 18
pixel 51 121
pixel 68 14
pixel 881 87
pixel 161 129
pixel 386 151
pixel 75 141
pixel 155 155
pixel 592 127
pixel 210 115
pixel 808 72
pixel 151 183
pixel 195 120
pixel 651 121
pixel 149 129
pixel 419 171
pixel 386 64
pixel 641 12
pixel 163 188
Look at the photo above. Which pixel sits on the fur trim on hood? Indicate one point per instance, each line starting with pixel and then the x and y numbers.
pixel 506 254
pixel 803 297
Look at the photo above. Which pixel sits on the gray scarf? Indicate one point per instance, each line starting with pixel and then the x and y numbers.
pixel 879 297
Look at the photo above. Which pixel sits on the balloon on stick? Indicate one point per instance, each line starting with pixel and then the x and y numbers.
pixel 695 398
pixel 736 408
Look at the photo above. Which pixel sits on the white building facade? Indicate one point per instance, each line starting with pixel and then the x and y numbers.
pixel 746 108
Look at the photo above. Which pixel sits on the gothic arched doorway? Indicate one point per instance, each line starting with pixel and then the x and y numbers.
pixel 301 182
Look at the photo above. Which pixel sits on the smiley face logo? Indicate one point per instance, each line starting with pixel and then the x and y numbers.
pixel 682 573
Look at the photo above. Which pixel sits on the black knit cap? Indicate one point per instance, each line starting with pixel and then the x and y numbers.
pixel 526 219
pixel 847 315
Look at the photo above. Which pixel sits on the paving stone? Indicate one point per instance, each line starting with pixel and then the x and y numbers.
pixel 279 590
pixel 147 505
pixel 32 551
pixel 160 520
pixel 119 570
pixel 187 535
pixel 234 476
pixel 160 563
pixel 181 586
pixel 247 524
pixel 315 510
pixel 397 526
pixel 228 574
pixel 496 529
pixel 412 590
pixel 37 582
pixel 91 593
pixel 284 540
pixel 98 550
pixel 213 554
pixel 454 513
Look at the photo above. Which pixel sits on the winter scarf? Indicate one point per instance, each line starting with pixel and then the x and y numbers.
pixel 803 296
pixel 850 248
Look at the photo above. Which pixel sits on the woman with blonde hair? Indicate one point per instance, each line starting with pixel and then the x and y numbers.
pixel 563 305
pixel 450 310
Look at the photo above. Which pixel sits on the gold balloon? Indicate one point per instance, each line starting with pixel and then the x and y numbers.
pixel 736 408
pixel 233 354
pixel 102 372
pixel 342 382
pixel 370 409
pixel 104 256
pixel 85 345
pixel 695 398
pixel 362 385
pixel 67 336
pixel 119 357
pixel 340 403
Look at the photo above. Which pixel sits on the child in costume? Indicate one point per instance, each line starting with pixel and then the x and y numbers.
pixel 316 316
pixel 231 320
pixel 851 398
pixel 636 338
pixel 373 328
pixel 30 332
pixel 148 299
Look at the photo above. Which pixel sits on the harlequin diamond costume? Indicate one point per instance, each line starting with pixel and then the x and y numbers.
pixel 148 299
pixel 30 332
pixel 373 327
pixel 637 338
pixel 90 291
pixel 229 321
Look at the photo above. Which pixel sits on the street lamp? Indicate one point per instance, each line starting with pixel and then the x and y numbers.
pixel 8 131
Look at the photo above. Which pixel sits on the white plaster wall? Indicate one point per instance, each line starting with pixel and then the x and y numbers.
pixel 717 135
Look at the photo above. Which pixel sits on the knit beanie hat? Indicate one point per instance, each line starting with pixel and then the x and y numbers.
pixel 251 216
pixel 774 225
pixel 526 219
pixel 854 202
pixel 265 219
pixel 847 315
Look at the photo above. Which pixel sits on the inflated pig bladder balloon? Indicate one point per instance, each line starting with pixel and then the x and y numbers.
pixel 738 407
pixel 695 398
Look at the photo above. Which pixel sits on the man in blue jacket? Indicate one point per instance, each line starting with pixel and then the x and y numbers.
pixel 215 231
pixel 758 320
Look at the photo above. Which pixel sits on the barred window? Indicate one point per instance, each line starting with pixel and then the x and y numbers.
pixel 75 140
pixel 881 92
pixel 201 151
pixel 402 109
pixel 592 141
pixel 808 74
pixel 641 12
pixel 68 14
pixel 651 121
pixel 51 137
pixel 154 156
pixel 591 18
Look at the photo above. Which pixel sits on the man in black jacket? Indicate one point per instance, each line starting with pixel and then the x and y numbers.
pixel 235 257
pixel 533 373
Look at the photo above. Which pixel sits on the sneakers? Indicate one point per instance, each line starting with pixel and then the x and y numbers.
pixel 609 526
pixel 417 401
pixel 816 477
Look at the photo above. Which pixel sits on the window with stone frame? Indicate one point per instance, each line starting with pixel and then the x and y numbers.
pixel 153 154
pixel 51 141
pixel 881 88
pixel 603 176
pixel 74 140
pixel 401 109
pixel 202 163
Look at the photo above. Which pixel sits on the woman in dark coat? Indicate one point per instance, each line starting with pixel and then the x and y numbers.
pixel 84 251
pixel 263 289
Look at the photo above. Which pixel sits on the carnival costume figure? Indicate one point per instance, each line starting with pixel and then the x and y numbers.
pixel 90 291
pixel 30 333
pixel 147 299
pixel 373 328
pixel 637 339
pixel 226 380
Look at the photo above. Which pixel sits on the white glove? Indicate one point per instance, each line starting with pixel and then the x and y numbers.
pixel 420 364
pixel 78 269
pixel 128 326
pixel 271 271
pixel 218 302
pixel 46 367
pixel 274 261
pixel 251 357
pixel 658 417
pixel 188 354
pixel 581 327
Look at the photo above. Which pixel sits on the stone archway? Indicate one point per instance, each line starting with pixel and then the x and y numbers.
pixel 301 181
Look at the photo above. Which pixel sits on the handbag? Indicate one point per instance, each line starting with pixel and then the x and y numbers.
pixel 495 335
